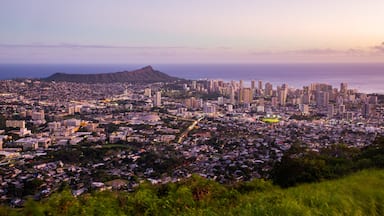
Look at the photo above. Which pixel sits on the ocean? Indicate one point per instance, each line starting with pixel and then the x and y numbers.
pixel 367 78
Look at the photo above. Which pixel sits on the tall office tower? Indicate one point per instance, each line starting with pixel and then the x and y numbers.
pixel 339 100
pixel 366 110
pixel 241 82
pixel 247 95
pixel 274 102
pixel 220 83
pixel 232 96
pixel 285 86
pixel 253 84
pixel 333 94
pixel 343 88
pixel 147 92
pixel 211 86
pixel 268 89
pixel 304 108
pixel 341 108
pixel 233 83
pixel 240 96
pixel 157 99
pixel 331 111
pixel 260 87
pixel 192 103
pixel 194 84
pixel 306 98
pixel 322 98
pixel 282 96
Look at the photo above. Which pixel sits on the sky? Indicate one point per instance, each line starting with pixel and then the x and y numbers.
pixel 198 31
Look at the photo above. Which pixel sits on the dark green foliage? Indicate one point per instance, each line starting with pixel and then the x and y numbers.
pixel 67 155
pixel 32 187
pixel 2 122
pixel 300 165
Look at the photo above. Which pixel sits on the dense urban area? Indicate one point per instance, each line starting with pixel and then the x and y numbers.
pixel 113 136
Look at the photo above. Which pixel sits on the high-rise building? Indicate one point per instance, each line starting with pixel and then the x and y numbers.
pixel 304 108
pixel 339 100
pixel 209 108
pixel 306 98
pixel 147 92
pixel 368 110
pixel 157 99
pixel 247 95
pixel 372 99
pixel 192 103
pixel 341 108
pixel 343 88
pixel 260 86
pixel 282 96
pixel 331 111
pixel 322 98
pixel 241 84
pixel 363 98
pixel 274 101
pixel 253 84
pixel 268 89
pixel 232 96
pixel 211 86
pixel 194 84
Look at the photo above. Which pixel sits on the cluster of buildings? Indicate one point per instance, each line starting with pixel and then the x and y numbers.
pixel 112 136
pixel 316 98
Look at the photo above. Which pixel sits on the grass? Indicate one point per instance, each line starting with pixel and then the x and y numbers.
pixel 361 193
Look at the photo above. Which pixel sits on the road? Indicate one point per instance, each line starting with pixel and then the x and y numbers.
pixel 185 133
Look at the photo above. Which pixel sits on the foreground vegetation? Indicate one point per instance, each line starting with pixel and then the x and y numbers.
pixel 301 165
pixel 361 193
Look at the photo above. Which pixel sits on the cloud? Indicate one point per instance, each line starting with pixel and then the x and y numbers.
pixel 328 51
pixel 379 48
pixel 262 53
pixel 311 52
pixel 317 51
pixel 88 46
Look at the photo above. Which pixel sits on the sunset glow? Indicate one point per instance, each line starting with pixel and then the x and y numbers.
pixel 43 31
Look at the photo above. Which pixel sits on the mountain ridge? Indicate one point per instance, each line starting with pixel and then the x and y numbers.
pixel 143 75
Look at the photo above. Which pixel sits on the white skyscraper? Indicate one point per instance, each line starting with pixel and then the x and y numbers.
pixel 232 96
pixel 157 99
pixel 147 92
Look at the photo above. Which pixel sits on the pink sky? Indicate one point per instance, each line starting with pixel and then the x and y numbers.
pixel 170 31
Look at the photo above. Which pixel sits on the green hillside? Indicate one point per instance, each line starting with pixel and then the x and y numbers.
pixel 361 193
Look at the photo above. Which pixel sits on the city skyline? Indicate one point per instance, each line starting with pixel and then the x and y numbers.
pixel 191 32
